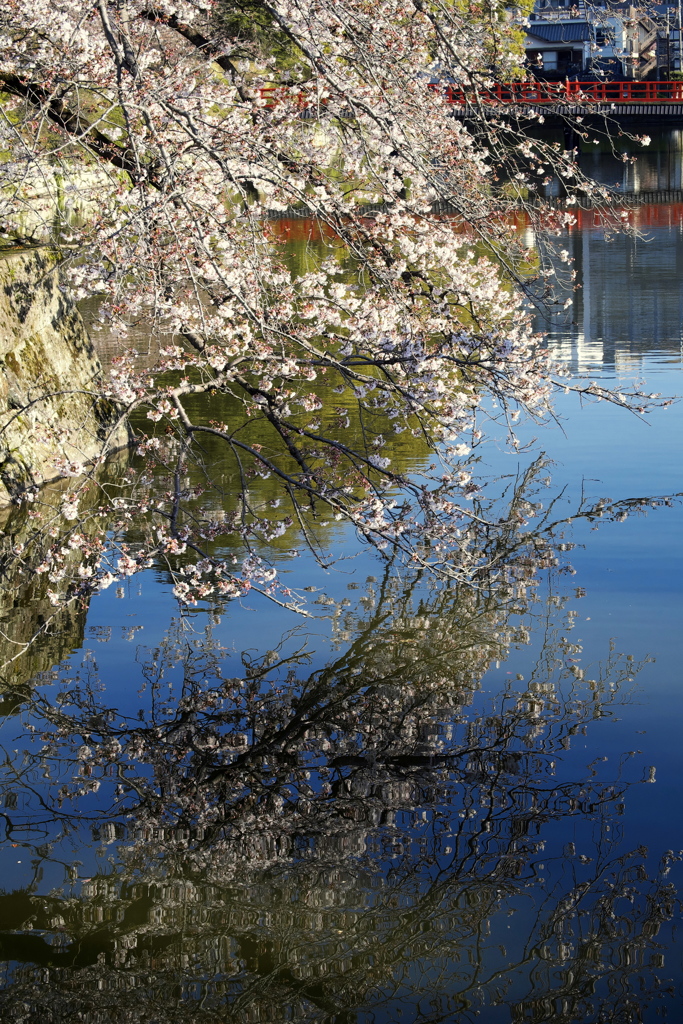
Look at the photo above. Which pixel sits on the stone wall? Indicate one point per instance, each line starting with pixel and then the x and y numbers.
pixel 48 367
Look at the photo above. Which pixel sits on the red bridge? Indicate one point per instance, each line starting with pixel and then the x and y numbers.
pixel 635 98
pixel 568 92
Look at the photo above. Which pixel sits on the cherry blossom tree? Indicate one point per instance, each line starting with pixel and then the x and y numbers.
pixel 156 147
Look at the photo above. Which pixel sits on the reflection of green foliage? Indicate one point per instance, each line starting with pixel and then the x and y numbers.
pixel 336 944
pixel 33 634
pixel 222 474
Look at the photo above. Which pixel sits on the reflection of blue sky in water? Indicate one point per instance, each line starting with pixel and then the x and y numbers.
pixel 626 588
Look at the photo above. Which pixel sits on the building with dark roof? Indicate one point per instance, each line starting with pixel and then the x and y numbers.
pixel 611 41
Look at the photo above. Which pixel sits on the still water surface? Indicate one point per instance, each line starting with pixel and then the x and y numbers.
pixel 442 805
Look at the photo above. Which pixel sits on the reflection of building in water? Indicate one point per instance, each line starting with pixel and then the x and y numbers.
pixel 657 168
pixel 630 300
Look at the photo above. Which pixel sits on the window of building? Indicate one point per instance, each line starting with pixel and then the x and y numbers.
pixel 603 37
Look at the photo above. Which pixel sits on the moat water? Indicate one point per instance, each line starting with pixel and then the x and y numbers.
pixel 446 804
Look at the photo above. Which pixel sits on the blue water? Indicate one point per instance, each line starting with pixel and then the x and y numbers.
pixel 619 594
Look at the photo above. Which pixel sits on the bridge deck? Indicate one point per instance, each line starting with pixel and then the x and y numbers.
pixel 608 110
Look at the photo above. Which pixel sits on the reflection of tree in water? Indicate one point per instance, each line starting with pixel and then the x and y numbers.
pixel 34 633
pixel 372 840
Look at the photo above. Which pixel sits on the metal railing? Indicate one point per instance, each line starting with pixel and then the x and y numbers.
pixel 532 92
pixel 563 92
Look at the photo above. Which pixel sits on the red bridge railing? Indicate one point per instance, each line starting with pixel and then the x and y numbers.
pixel 573 92
pixel 538 92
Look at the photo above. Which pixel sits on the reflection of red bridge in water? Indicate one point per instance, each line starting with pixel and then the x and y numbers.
pixel 650 215
pixel 285 228
pixel 574 93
